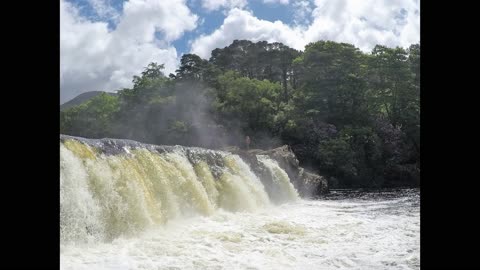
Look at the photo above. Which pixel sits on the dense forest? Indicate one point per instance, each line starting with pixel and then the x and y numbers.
pixel 351 116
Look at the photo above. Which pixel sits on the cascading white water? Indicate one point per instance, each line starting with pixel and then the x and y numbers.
pixel 133 206
pixel 107 196
pixel 286 191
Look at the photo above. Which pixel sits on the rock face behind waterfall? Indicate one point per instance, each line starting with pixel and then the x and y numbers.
pixel 307 183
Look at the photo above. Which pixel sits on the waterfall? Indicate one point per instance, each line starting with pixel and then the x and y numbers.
pixel 285 189
pixel 111 188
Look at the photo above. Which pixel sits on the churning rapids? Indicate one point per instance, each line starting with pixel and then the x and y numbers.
pixel 135 206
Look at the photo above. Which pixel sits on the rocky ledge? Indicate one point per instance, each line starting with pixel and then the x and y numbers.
pixel 307 183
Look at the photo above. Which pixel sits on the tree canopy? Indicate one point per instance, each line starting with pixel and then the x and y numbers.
pixel 349 115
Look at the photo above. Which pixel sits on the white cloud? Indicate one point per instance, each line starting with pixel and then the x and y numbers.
pixel 241 24
pixel 283 2
pixel 363 23
pixel 301 12
pixel 94 58
pixel 104 9
pixel 366 23
pixel 211 5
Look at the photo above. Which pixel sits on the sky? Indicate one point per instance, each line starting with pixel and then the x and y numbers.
pixel 104 43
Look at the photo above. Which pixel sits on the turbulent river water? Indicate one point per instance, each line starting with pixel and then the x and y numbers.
pixel 151 210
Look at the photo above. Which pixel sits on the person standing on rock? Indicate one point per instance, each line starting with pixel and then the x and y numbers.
pixel 247 142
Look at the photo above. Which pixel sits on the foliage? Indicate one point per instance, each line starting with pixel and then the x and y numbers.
pixel 349 115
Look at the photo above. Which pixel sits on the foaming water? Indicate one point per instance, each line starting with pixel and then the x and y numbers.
pixel 373 234
pixel 189 208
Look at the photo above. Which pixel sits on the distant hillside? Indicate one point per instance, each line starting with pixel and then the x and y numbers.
pixel 84 97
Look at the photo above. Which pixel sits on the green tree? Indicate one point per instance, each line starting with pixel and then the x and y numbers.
pixel 252 102
pixel 331 82
pixel 192 67
pixel 91 119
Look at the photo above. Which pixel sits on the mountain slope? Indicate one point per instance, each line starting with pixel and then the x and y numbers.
pixel 84 97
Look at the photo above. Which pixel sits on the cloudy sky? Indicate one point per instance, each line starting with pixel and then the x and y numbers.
pixel 103 43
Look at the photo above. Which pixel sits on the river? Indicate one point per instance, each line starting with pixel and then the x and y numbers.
pixel 346 230
pixel 146 207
